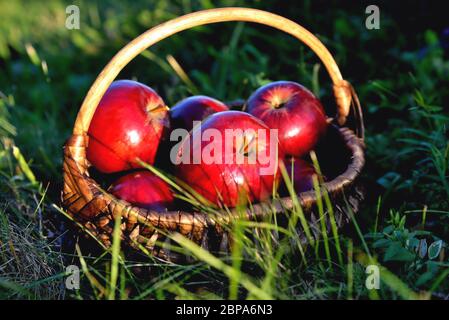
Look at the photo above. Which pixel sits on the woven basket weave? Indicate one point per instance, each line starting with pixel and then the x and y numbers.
pixel 88 204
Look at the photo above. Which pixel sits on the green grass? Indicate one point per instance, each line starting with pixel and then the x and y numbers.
pixel 401 79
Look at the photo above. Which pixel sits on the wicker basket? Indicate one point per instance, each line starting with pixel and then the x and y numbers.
pixel 85 201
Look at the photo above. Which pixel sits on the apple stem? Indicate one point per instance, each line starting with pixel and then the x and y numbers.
pixel 158 108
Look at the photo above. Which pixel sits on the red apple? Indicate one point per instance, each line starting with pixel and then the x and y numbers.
pixel 143 189
pixel 303 173
pixel 128 124
pixel 236 159
pixel 195 108
pixel 294 111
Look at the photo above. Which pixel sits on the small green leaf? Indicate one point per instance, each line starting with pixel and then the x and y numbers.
pixel 388 230
pixel 397 234
pixel 434 249
pixel 413 244
pixel 424 278
pixel 422 249
pixel 396 252
pixel 402 222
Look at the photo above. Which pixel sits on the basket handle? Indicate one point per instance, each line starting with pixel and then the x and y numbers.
pixel 342 88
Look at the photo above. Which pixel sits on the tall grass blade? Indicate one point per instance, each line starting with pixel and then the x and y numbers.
pixel 216 263
pixel 115 254
pixel 182 74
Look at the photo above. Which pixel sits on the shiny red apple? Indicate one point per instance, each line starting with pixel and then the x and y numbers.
pixel 128 124
pixel 229 159
pixel 294 111
pixel 303 173
pixel 143 189
pixel 195 108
